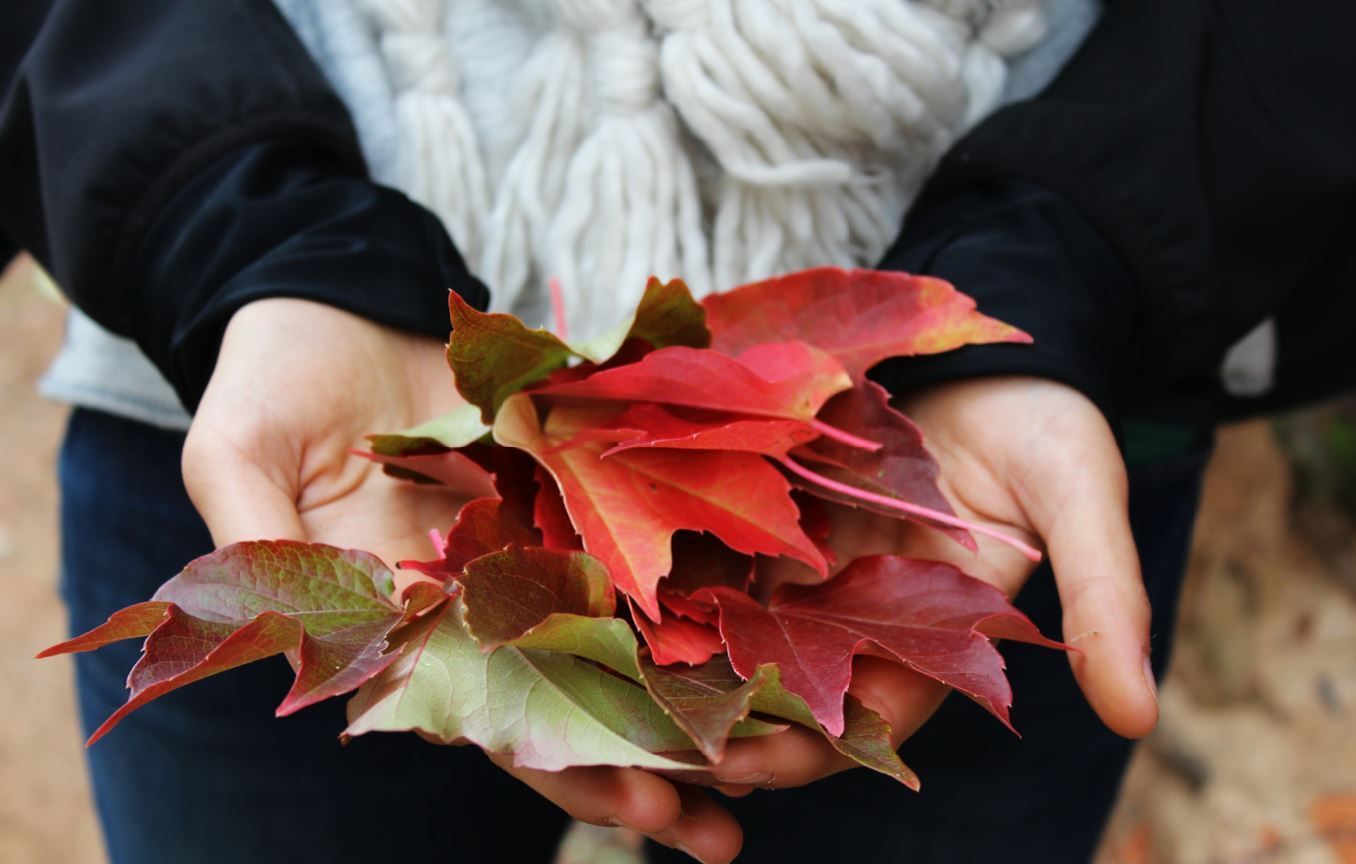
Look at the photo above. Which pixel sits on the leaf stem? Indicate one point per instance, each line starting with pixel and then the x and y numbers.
pixel 843 437
pixel 906 507
pixel 558 307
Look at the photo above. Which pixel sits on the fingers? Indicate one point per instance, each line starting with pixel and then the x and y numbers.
pixel 1106 611
pixel 678 816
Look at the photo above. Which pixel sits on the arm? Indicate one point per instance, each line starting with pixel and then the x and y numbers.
pixel 189 179
pixel 169 164
pixel 1187 175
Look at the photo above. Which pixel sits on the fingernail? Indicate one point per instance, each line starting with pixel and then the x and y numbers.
pixel 757 778
pixel 1149 679
pixel 686 851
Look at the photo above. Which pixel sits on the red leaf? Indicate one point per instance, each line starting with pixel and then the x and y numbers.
pixel 129 623
pixel 859 316
pixel 902 469
pixel 451 469
pixel 927 615
pixel 649 425
pixel 804 380
pixel 323 606
pixel 675 640
pixel 550 515
pixel 483 526
pixel 627 507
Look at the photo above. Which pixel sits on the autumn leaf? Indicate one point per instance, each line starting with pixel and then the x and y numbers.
pixel 707 701
pixel 550 710
pixel 859 316
pixel 483 526
pixel 551 517
pixel 628 506
pixel 804 379
pixel 457 428
pixel 901 469
pixel 493 355
pixel 647 424
pixel 666 315
pixel 673 639
pixel 327 607
pixel 929 616
pixel 510 591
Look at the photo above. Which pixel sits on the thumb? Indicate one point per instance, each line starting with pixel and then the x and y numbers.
pixel 1106 610
pixel 237 495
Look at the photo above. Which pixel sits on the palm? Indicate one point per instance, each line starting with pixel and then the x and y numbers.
pixel 1034 459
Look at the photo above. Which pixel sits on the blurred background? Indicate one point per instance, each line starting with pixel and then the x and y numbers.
pixel 1254 761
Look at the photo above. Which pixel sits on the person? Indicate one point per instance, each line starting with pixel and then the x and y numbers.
pixel 192 181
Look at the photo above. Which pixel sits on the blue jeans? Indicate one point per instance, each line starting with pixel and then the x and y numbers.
pixel 207 774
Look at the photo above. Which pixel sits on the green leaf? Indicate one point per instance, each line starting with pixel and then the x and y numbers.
pixel 457 428
pixel 667 315
pixel 494 355
pixel 549 710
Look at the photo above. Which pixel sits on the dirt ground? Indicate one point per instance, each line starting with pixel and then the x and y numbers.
pixel 1255 759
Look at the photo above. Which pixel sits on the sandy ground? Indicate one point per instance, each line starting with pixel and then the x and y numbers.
pixel 1255 760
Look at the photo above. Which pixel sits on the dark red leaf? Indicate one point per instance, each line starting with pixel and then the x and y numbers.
pixel 902 468
pixel 483 526
pixel 551 517
pixel 927 615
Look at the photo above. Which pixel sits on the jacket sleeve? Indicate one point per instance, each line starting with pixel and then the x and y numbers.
pixel 170 162
pixel 1188 175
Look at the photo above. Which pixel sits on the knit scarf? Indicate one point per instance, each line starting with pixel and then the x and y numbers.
pixel 602 141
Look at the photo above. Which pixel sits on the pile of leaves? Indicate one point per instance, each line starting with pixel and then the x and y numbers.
pixel 597 601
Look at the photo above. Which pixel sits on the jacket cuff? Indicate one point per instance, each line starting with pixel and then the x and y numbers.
pixel 1028 258
pixel 277 220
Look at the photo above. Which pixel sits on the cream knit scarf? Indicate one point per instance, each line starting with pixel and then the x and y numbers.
pixel 601 141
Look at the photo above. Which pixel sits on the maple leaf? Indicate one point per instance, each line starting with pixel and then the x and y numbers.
pixel 327 608
pixel 927 615
pixel 494 355
pixel 646 424
pixel 859 316
pixel 628 506
pixel 802 379
pixel 901 469
pixel 673 639
pixel 483 526
pixel 551 517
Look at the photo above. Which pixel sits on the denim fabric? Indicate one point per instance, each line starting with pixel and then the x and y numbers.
pixel 207 775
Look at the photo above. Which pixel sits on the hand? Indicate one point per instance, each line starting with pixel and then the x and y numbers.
pixel 1036 459
pixel 295 386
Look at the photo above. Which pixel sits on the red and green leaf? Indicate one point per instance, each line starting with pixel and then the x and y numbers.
pixel 325 607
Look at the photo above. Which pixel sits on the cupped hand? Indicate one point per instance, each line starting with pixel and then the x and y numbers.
pixel 1037 460
pixel 296 385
